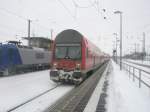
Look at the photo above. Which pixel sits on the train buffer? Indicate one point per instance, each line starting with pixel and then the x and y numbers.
pixel 112 91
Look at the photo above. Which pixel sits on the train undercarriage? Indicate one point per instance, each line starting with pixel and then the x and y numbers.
pixel 74 77
pixel 19 69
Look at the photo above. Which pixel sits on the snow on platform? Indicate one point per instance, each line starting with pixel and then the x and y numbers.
pixel 17 89
pixel 145 73
pixel 138 66
pixel 92 103
pixel 124 95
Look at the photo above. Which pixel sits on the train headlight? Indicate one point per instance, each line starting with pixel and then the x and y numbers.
pixel 78 66
pixel 55 65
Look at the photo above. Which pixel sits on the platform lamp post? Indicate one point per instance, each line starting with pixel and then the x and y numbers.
pixel 115 34
pixel 120 13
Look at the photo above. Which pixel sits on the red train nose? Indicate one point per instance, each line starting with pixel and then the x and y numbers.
pixel 67 64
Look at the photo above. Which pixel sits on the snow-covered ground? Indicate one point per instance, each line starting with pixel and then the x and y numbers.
pixel 145 76
pixel 124 95
pixel 17 89
pixel 138 66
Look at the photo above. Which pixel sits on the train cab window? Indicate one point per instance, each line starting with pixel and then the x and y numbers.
pixel 74 52
pixel 60 52
pixel 69 52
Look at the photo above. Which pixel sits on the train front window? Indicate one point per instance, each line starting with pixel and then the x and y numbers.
pixel 74 52
pixel 60 52
pixel 68 52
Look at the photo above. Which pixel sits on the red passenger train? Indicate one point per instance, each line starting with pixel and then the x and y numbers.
pixel 74 57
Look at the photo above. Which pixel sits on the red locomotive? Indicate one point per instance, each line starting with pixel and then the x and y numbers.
pixel 74 57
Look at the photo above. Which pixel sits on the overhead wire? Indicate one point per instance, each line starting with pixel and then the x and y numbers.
pixel 21 17
pixel 7 31
pixel 40 27
pixel 10 28
pixel 12 13
pixel 66 8
pixel 97 8
pixel 78 6
pixel 94 4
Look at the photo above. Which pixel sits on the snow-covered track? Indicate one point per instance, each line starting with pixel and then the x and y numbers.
pixel 35 97
pixel 77 99
pixel 140 64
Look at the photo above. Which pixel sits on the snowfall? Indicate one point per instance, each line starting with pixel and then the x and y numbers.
pixel 124 95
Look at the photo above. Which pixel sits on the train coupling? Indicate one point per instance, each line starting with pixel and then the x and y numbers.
pixel 62 76
pixel 65 76
pixel 77 77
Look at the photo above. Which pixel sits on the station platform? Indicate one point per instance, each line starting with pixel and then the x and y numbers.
pixel 116 92
pixel 107 90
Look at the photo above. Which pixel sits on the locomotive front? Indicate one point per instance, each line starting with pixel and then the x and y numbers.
pixel 67 57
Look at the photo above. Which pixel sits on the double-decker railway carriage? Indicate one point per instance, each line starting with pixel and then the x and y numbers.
pixel 73 57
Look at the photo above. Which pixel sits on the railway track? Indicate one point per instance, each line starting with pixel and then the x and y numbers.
pixel 35 97
pixel 77 99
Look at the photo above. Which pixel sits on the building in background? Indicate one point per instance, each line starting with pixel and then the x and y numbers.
pixel 40 42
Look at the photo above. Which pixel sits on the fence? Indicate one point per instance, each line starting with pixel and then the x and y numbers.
pixel 140 73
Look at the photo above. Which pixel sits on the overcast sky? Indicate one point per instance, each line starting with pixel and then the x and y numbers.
pixel 86 16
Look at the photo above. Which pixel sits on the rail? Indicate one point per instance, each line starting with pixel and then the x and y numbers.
pixel 77 99
pixel 35 97
pixel 132 70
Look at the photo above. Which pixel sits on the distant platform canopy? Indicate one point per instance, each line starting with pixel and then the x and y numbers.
pixel 40 42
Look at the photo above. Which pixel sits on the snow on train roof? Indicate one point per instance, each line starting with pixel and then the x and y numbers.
pixel 68 36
